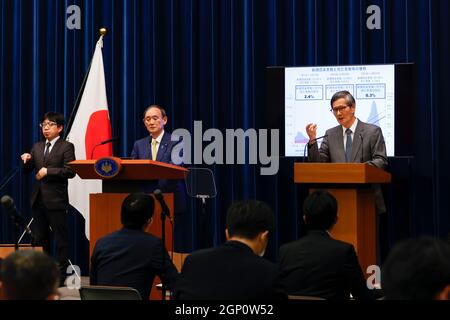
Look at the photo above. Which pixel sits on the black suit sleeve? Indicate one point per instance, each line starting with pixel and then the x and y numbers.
pixel 168 273
pixel 319 155
pixel 135 151
pixel 354 276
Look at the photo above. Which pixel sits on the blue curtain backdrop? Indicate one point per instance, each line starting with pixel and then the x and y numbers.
pixel 206 60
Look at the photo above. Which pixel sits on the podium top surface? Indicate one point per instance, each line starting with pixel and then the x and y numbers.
pixel 132 170
pixel 351 173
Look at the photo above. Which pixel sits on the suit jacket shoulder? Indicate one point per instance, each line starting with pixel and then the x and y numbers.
pixel 334 131
pixel 321 241
pixel 319 265
pixel 231 271
pixel 131 258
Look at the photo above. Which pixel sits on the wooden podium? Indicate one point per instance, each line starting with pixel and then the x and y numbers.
pixel 7 249
pixel 134 176
pixel 350 184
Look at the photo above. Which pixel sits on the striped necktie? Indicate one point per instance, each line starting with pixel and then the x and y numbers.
pixel 348 146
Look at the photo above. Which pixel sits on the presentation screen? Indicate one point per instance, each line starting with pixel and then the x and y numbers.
pixel 308 91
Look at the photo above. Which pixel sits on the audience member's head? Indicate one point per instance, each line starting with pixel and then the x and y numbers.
pixel 417 269
pixel 252 221
pixel 29 275
pixel 137 211
pixel 320 210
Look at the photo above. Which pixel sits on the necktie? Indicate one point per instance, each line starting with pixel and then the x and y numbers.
pixel 348 146
pixel 47 151
pixel 154 142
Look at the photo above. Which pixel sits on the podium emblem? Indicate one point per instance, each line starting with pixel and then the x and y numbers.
pixel 108 167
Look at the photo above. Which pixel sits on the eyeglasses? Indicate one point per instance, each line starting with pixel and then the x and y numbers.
pixel 49 124
pixel 339 109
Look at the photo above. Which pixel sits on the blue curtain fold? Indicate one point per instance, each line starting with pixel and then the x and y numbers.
pixel 206 60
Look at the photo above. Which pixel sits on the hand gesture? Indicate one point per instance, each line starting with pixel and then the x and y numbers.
pixel 25 157
pixel 311 130
pixel 41 173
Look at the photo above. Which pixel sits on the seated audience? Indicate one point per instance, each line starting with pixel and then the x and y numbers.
pixel 318 265
pixel 417 269
pixel 29 275
pixel 132 257
pixel 236 269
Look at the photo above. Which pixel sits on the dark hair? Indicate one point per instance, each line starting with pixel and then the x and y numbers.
pixel 163 111
pixel 29 275
pixel 249 218
pixel 416 269
pixel 55 117
pixel 349 100
pixel 137 209
pixel 320 210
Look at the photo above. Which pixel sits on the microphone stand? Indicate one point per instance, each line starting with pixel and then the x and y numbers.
pixel 16 232
pixel 202 222
pixel 313 141
pixel 16 242
pixel 18 222
pixel 93 149
pixel 3 184
pixel 304 151
pixel 101 144
pixel 28 230
pixel 163 256
pixel 17 219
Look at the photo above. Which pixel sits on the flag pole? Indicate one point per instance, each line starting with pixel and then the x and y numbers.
pixel 103 32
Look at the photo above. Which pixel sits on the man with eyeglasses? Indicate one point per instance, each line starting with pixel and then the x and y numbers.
pixel 158 146
pixel 351 141
pixel 49 199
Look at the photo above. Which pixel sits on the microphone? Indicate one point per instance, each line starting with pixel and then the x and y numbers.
pixel 107 141
pixel 313 140
pixel 8 204
pixel 102 143
pixel 160 197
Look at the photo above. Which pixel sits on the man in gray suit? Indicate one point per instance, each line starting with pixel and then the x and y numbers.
pixel 351 141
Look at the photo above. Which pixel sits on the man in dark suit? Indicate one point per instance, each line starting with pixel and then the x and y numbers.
pixel 132 257
pixel 351 141
pixel 318 265
pixel 236 269
pixel 49 199
pixel 158 146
